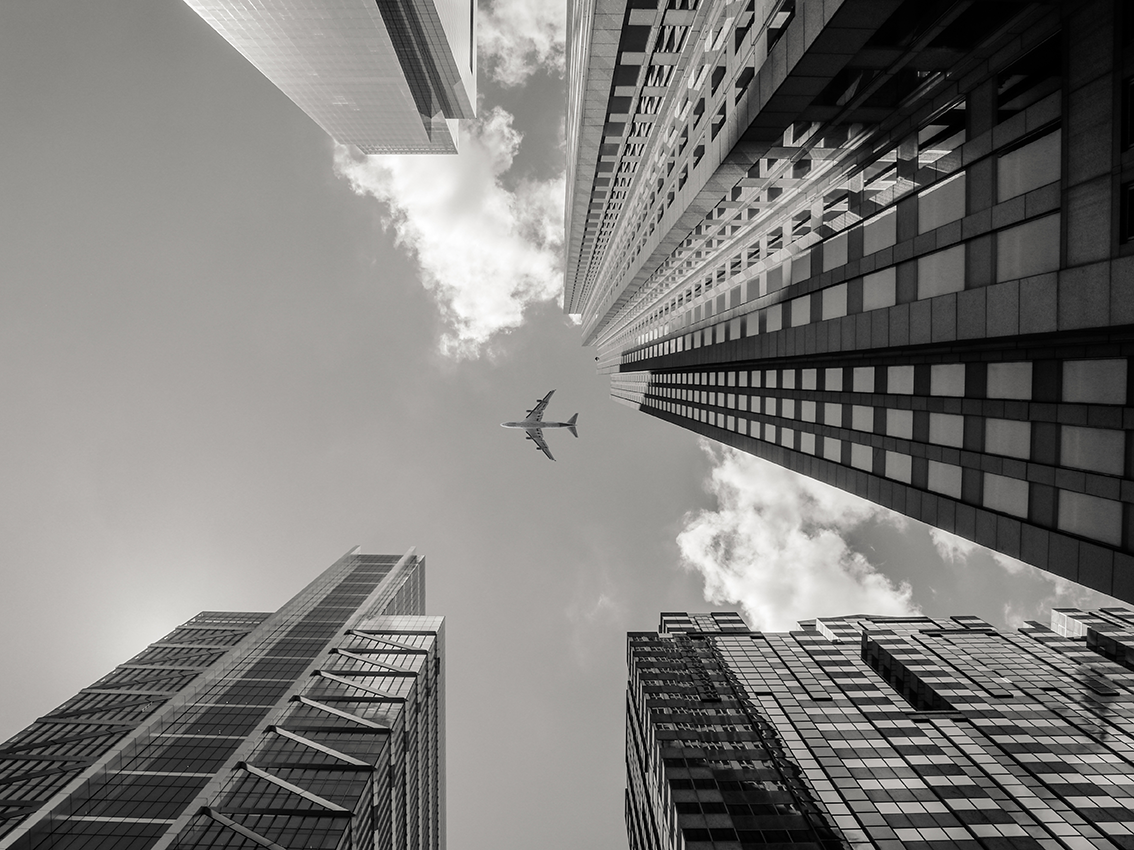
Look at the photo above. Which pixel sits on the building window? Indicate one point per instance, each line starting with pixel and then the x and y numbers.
pixel 1029 167
pixel 880 232
pixel 941 272
pixel 879 290
pixel 898 466
pixel 947 379
pixel 862 457
pixel 945 478
pixel 832 449
pixel 899 423
pixel 947 429
pixel 1094 381
pixel 801 311
pixel 833 380
pixel 1090 516
pixel 862 418
pixel 835 252
pixel 807 411
pixel 864 379
pixel 941 204
pixel 1008 437
pixel 899 380
pixel 807 443
pixel 808 378
pixel 1006 495
pixel 1010 380
pixel 833 414
pixel 835 302
pixel 1096 449
pixel 1028 249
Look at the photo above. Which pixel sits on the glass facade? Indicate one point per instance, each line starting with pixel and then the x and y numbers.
pixel 389 77
pixel 321 725
pixel 872 732
pixel 874 243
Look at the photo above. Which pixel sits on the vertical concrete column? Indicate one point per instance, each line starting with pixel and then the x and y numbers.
pixel 1088 131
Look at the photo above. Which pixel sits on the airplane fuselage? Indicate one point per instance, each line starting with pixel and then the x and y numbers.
pixel 529 425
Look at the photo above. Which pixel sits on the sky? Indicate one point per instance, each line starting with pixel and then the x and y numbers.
pixel 231 350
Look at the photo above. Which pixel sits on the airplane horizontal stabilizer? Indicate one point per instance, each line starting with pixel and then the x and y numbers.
pixel 571 424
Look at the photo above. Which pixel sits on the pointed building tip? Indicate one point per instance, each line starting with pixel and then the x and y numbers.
pixel 355 550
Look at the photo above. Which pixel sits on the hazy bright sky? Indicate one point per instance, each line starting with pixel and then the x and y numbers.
pixel 221 367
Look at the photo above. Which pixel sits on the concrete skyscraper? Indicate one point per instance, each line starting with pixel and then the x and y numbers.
pixel 884 243
pixel 388 76
pixel 887 733
pixel 321 725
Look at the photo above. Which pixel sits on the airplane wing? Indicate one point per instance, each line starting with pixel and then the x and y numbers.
pixel 536 436
pixel 536 413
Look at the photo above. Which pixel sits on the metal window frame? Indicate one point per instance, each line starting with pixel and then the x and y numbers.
pixel 345 715
pixel 322 748
pixel 310 796
pixel 345 654
pixel 331 677
pixel 239 829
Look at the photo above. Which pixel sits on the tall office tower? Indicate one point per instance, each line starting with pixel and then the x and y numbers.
pixel 888 733
pixel 320 726
pixel 884 243
pixel 388 76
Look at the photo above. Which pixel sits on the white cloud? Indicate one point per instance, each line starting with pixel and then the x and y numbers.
pixel 951 547
pixel 1037 591
pixel 486 251
pixel 774 545
pixel 516 38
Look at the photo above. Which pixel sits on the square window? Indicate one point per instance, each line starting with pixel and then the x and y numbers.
pixel 1096 449
pixel 862 418
pixel 941 272
pixel 862 457
pixel 1091 517
pixel 941 204
pixel 1094 381
pixel 1010 380
pixel 880 232
pixel 1028 249
pixel 864 379
pixel 945 478
pixel 899 423
pixel 898 466
pixel 1008 437
pixel 835 301
pixel 947 379
pixel 833 380
pixel 1006 495
pixel 899 380
pixel 947 429
pixel 880 289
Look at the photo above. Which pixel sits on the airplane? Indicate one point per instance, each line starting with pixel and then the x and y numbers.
pixel 533 425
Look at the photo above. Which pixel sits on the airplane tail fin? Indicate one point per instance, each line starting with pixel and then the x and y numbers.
pixel 571 424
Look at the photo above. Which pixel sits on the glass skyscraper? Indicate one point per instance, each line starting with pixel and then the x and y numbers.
pixel 884 243
pixel 388 77
pixel 321 726
pixel 885 733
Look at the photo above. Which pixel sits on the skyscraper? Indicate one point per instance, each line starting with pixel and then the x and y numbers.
pixel 321 725
pixel 884 243
pixel 388 76
pixel 872 732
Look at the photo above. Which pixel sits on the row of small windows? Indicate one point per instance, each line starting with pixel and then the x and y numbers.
pixel 1091 449
pixel 1078 513
pixel 1102 381
pixel 1027 249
